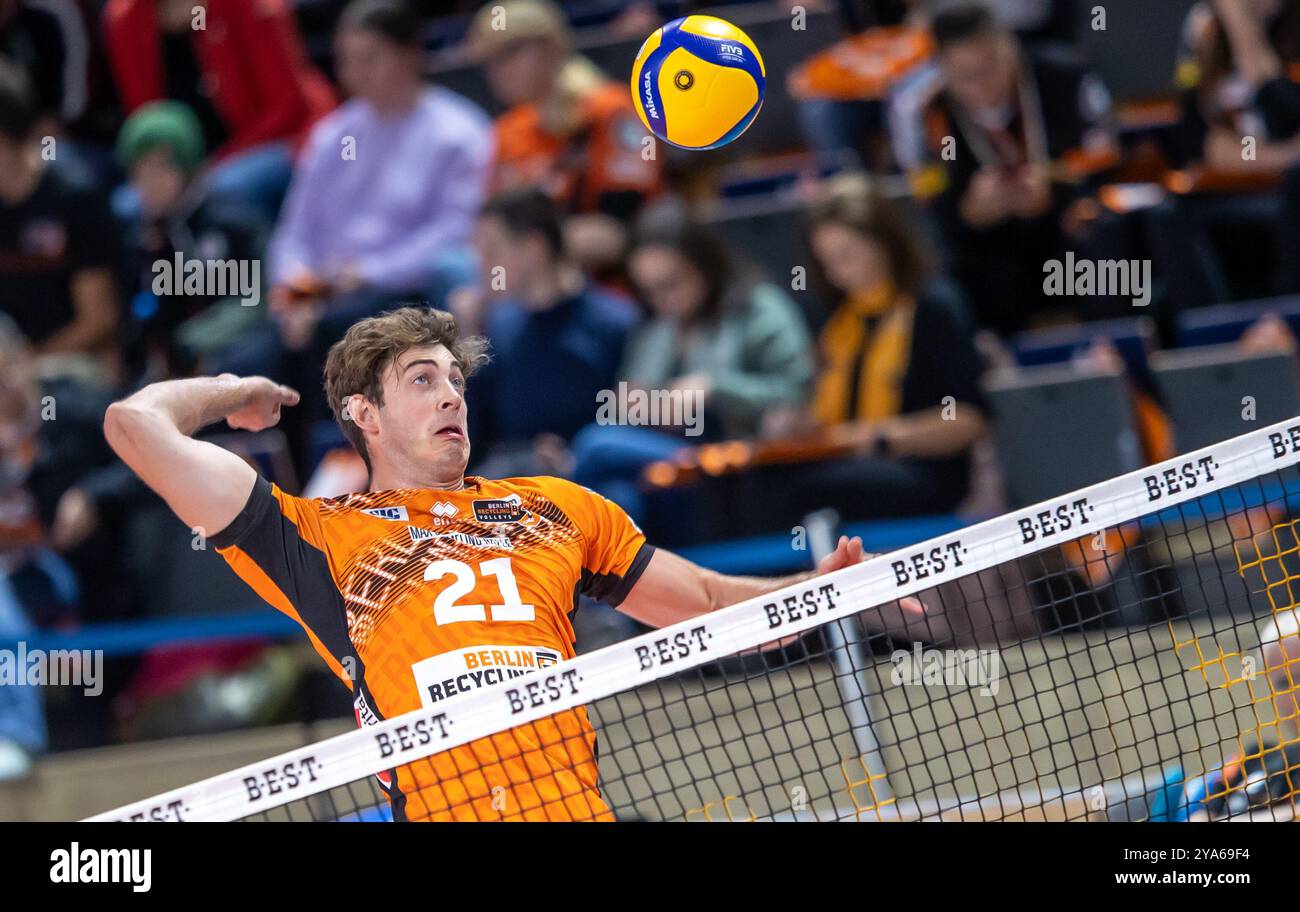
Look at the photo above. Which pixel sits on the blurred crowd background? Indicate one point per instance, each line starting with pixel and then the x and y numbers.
pixel 854 290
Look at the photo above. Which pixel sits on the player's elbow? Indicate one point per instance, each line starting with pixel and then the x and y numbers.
pixel 123 421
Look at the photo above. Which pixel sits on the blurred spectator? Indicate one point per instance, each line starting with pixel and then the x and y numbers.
pixel 388 186
pixel 58 45
pixel 56 460
pixel 22 552
pixel 56 242
pixel 161 148
pixel 382 204
pixel 1236 69
pixel 240 66
pixel 557 339
pixel 569 129
pixel 1000 137
pixel 899 373
pixel 718 333
pixel 61 493
pixel 884 68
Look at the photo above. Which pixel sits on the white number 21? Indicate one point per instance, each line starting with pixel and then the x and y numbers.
pixel 445 609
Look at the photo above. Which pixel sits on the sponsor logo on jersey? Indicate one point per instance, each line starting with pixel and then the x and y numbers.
pixel 366 716
pixel 443 510
pixel 461 538
pixel 396 514
pixel 462 670
pixel 505 510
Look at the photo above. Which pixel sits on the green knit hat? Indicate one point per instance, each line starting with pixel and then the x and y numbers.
pixel 162 123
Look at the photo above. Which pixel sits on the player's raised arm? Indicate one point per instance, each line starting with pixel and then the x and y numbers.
pixel 205 485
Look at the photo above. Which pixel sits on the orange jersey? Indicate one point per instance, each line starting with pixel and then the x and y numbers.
pixel 413 596
pixel 605 155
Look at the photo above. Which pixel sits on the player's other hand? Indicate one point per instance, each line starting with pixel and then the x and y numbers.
pixel 263 399
pixel 849 551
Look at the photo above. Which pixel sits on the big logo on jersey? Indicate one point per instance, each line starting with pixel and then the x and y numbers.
pixel 504 510
pixel 461 670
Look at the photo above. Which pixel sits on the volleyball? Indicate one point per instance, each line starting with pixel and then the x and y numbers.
pixel 698 82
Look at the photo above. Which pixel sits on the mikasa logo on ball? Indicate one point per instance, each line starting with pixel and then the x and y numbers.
pixel 650 108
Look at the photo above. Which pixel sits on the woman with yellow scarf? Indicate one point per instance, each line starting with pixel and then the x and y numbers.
pixel 898 373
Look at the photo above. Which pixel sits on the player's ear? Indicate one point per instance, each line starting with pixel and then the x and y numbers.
pixel 362 412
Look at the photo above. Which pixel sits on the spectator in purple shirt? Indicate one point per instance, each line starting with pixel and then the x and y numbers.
pixel 382 204
pixel 389 181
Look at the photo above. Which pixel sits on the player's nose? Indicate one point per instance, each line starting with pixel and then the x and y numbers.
pixel 452 398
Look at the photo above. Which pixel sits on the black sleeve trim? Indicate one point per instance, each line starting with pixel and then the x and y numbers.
pixel 298 568
pixel 611 588
pixel 260 499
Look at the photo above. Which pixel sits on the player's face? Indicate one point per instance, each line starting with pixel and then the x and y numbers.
pixel 852 261
pixel 981 72
pixel 670 285
pixel 422 423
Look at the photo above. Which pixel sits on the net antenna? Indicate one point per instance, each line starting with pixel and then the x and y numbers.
pixel 850 657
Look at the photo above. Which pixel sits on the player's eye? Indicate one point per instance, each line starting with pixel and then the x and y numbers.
pixel 459 383
pixel 420 377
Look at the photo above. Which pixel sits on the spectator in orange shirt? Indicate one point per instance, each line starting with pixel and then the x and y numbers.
pixel 568 129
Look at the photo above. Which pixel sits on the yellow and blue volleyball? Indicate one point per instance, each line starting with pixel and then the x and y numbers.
pixel 698 82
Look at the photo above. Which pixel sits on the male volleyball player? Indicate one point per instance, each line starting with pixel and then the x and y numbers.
pixel 432 583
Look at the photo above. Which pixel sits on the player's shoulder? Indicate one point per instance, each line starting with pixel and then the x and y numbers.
pixel 575 501
pixel 393 505
pixel 549 486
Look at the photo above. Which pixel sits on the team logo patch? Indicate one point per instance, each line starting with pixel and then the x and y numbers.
pixel 505 510
pixel 396 514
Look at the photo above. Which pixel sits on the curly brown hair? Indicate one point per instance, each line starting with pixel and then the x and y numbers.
pixel 356 363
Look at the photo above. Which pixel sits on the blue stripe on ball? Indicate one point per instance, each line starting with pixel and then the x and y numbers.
pixel 659 123
pixel 709 49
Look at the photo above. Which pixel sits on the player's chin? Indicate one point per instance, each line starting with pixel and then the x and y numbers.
pixel 456 441
pixel 448 448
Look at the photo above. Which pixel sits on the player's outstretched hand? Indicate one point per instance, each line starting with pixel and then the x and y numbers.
pixel 262 402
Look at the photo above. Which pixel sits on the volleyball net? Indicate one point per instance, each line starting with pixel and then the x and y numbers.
pixel 1126 651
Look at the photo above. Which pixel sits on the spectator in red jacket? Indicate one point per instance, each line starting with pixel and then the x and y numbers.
pixel 240 66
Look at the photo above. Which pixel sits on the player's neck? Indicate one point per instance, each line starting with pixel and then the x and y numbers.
pixel 389 480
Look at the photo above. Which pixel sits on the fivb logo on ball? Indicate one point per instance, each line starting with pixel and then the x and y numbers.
pixel 698 82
